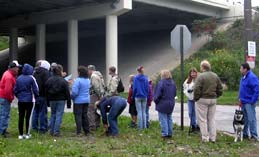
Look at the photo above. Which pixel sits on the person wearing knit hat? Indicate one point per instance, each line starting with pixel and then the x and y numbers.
pixel 40 113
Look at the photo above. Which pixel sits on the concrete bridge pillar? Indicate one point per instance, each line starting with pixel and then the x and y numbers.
pixel 13 44
pixel 72 47
pixel 111 43
pixel 40 41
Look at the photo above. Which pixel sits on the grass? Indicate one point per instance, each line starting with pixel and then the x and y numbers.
pixel 227 98
pixel 131 142
pixel 4 42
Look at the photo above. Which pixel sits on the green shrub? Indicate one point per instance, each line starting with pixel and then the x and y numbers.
pixel 4 42
pixel 225 53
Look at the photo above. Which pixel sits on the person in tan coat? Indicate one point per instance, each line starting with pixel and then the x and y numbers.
pixel 207 89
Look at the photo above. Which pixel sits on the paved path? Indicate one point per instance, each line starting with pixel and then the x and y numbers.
pixel 224 115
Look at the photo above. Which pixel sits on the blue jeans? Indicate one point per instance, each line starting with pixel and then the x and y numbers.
pixel 191 110
pixel 166 123
pixel 250 120
pixel 141 104
pixel 57 111
pixel 5 108
pixel 114 112
pixel 147 116
pixel 40 115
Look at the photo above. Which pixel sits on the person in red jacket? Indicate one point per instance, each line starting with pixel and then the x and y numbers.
pixel 149 100
pixel 132 106
pixel 7 84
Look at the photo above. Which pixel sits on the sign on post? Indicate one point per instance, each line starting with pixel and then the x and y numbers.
pixel 181 41
pixel 175 38
pixel 250 58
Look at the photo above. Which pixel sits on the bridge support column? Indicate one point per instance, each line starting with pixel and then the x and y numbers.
pixel 40 41
pixel 111 43
pixel 72 47
pixel 13 44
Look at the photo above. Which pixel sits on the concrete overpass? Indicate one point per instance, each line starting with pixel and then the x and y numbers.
pixel 65 20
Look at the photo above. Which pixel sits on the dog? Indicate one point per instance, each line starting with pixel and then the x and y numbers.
pixel 238 125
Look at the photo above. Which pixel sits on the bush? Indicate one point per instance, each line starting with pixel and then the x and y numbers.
pixel 4 42
pixel 226 64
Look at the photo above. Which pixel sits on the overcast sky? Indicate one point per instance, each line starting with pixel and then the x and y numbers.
pixel 254 2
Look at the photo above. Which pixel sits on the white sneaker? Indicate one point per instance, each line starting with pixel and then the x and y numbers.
pixel 20 137
pixel 28 136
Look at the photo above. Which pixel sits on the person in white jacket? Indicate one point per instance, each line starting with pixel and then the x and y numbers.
pixel 188 91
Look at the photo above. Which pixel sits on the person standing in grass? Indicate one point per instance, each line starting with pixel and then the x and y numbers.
pixel 7 84
pixel 140 94
pixel 57 92
pixel 97 91
pixel 207 89
pixel 40 112
pixel 132 106
pixel 248 97
pixel 81 99
pixel 26 90
pixel 164 97
pixel 149 100
pixel 188 91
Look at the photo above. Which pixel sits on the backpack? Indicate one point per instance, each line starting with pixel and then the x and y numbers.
pixel 120 87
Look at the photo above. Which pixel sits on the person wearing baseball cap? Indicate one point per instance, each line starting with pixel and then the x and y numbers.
pixel 7 84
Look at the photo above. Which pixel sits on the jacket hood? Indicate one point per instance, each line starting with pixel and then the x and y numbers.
pixel 167 81
pixel 27 69
pixel 141 77
pixel 45 64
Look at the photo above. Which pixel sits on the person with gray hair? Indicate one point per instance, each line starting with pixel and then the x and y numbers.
pixel 97 91
pixel 207 89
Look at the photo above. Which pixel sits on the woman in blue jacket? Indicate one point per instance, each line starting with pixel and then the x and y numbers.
pixel 140 94
pixel 26 89
pixel 81 99
pixel 164 98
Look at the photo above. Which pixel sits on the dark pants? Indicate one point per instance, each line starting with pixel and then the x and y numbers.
pixel 81 118
pixel 25 109
pixel 40 115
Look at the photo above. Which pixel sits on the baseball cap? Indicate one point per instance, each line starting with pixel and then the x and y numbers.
pixel 14 64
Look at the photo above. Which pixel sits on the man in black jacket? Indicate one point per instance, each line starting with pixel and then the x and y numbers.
pixel 57 92
pixel 40 113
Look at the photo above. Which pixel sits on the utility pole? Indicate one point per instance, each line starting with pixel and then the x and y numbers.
pixel 248 33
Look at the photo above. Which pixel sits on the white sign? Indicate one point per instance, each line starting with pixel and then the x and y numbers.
pixel 251 48
pixel 175 38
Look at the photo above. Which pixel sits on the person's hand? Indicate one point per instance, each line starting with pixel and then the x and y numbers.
pixel 240 104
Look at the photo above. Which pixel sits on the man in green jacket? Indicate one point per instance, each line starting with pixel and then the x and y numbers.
pixel 207 89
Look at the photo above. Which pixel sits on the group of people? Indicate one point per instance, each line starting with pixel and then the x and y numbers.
pixel 203 89
pixel 45 85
